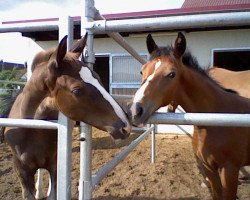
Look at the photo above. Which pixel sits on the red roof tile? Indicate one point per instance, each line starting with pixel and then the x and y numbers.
pixel 213 3
pixel 188 7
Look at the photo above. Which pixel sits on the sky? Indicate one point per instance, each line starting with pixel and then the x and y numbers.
pixel 35 9
pixel 26 9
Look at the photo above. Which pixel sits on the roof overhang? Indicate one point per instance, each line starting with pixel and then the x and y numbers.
pixel 185 19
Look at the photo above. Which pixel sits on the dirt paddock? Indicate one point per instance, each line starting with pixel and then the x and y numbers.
pixel 173 176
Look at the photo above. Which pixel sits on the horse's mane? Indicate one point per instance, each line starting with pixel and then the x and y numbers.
pixel 40 57
pixel 189 61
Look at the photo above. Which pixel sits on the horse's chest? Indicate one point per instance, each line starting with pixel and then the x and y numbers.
pixel 33 147
pixel 221 144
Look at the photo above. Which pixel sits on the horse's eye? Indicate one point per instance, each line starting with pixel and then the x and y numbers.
pixel 171 75
pixel 141 72
pixel 77 92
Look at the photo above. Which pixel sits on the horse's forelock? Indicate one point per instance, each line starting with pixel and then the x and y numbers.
pixel 161 51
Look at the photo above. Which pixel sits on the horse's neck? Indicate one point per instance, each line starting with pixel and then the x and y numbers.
pixel 47 110
pixel 199 94
pixel 29 100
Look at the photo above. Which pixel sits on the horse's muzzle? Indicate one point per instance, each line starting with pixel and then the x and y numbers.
pixel 119 131
pixel 136 114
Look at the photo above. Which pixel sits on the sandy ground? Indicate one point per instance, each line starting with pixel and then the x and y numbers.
pixel 173 176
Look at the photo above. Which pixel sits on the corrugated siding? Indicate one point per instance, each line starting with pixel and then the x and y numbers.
pixel 126 69
pixel 211 3
pixel 124 91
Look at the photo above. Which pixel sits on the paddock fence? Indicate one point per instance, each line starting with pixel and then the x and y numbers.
pixel 94 23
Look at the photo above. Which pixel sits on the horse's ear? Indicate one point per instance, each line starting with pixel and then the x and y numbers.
pixel 151 45
pixel 180 45
pixel 61 49
pixel 79 45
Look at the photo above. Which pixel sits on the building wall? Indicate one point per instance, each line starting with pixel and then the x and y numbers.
pixel 199 43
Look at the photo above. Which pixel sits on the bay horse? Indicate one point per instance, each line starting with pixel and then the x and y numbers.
pixel 173 75
pixel 235 80
pixel 59 82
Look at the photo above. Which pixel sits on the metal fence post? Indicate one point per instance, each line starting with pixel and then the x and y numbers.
pixel 85 181
pixel 64 145
pixel 153 146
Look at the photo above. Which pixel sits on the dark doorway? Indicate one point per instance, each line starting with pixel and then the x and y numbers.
pixel 101 67
pixel 235 60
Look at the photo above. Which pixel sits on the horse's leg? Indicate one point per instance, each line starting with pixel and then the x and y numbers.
pixel 212 177
pixel 53 181
pixel 39 181
pixel 215 183
pixel 172 107
pixel 229 179
pixel 49 187
pixel 26 179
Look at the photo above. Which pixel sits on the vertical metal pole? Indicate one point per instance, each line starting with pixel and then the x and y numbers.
pixel 153 145
pixel 88 16
pixel 66 27
pixel 64 157
pixel 64 145
pixel 85 182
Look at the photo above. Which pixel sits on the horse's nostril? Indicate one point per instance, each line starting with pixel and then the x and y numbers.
pixel 136 111
pixel 139 110
pixel 126 129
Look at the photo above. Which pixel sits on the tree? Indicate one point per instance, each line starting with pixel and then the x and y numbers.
pixel 10 83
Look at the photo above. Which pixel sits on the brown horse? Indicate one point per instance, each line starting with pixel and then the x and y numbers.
pixel 171 75
pixel 60 82
pixel 238 81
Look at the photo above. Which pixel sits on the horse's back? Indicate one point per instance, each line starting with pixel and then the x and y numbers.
pixel 236 80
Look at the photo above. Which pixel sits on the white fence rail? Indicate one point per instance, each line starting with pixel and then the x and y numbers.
pixel 202 119
pixel 28 123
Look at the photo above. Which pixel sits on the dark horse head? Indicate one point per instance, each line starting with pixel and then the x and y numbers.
pixel 78 93
pixel 75 90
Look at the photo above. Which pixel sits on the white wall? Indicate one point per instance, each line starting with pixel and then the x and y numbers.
pixel 199 43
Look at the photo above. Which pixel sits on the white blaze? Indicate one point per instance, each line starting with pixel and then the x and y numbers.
pixel 140 92
pixel 87 77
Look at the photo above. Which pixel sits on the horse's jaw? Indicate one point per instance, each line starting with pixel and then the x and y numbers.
pixel 120 133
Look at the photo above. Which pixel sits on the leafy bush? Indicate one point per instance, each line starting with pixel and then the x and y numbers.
pixel 10 86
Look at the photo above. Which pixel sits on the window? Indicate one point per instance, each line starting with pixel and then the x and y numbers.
pixel 232 59
pixel 125 74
